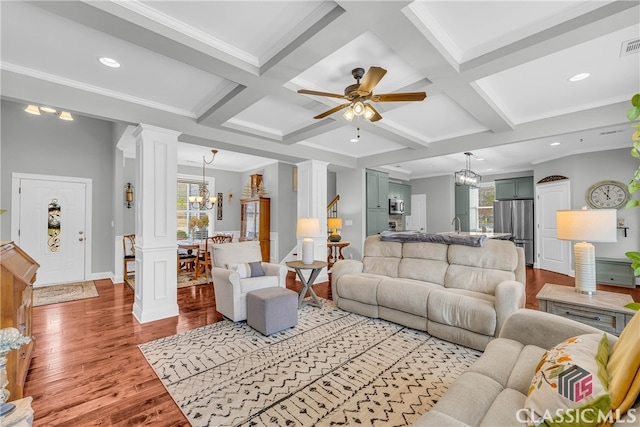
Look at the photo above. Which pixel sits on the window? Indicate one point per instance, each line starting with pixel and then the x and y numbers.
pixel 486 196
pixel 191 223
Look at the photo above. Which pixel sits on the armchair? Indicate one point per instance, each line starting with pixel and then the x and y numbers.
pixel 231 286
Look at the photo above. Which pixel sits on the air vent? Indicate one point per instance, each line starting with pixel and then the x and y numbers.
pixel 610 132
pixel 630 47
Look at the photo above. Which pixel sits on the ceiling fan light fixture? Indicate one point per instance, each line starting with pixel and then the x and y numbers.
pixel 48 110
pixel 369 112
pixel 349 114
pixel 358 108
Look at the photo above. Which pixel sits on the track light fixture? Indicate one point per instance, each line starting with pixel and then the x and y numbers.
pixel 36 110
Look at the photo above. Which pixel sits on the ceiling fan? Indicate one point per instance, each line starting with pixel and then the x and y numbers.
pixel 359 93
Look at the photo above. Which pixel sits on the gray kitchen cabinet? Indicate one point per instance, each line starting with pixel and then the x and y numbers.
pixel 377 202
pixel 514 188
pixel 462 206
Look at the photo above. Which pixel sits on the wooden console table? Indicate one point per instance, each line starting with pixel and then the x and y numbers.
pixel 334 250
pixel 604 310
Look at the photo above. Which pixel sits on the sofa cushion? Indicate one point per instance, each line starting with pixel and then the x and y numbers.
pixel 525 368
pixel 381 257
pixel 506 410
pixel 463 311
pixel 228 253
pixel 426 270
pixel 424 261
pixel 481 269
pixel 405 295
pixel 469 398
pixel 571 383
pixel 359 287
pixel 253 283
pixel 384 266
pixel 498 360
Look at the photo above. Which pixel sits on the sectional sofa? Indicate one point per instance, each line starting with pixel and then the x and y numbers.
pixel 459 293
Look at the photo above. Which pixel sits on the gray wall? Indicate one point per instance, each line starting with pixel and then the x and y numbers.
pixel 351 185
pixel 46 145
pixel 584 170
pixel 440 201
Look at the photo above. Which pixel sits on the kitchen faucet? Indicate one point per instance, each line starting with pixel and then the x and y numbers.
pixel 453 222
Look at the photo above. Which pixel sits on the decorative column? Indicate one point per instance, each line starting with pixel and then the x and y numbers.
pixel 156 291
pixel 312 203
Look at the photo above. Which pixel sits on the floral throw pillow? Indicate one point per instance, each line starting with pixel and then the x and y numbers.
pixel 570 386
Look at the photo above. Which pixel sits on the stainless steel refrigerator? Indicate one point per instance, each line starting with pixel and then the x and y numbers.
pixel 516 217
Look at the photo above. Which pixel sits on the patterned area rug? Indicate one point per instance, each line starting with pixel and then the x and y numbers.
pixel 334 367
pixel 184 279
pixel 64 293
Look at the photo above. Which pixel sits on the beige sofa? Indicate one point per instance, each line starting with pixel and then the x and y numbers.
pixel 492 392
pixel 459 293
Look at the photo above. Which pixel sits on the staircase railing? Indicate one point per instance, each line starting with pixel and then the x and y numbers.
pixel 332 208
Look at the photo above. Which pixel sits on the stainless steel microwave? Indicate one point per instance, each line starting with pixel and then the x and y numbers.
pixel 396 207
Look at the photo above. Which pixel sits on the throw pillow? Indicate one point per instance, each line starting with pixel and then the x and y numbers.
pixel 256 269
pixel 570 386
pixel 624 367
pixel 242 268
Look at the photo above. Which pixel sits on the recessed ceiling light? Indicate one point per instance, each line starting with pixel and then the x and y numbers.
pixel 354 140
pixel 109 62
pixel 578 77
pixel 554 144
pixel 479 159
pixel 490 169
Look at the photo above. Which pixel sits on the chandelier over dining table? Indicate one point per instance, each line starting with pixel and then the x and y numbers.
pixel 204 200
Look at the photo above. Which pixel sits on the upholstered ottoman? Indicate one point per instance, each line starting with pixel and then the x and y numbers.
pixel 271 310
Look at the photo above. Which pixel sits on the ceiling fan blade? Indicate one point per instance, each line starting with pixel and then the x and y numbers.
pixel 333 110
pixel 370 80
pixel 313 92
pixel 376 116
pixel 399 97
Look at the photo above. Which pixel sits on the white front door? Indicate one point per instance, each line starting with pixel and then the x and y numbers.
pixel 52 228
pixel 553 254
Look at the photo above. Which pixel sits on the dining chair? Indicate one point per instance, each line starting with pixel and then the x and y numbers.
pixel 203 263
pixel 129 252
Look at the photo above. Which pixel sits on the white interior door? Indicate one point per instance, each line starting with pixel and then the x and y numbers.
pixel 418 218
pixel 52 229
pixel 553 254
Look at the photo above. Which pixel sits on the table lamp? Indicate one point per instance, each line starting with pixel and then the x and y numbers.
pixel 594 225
pixel 307 229
pixel 334 224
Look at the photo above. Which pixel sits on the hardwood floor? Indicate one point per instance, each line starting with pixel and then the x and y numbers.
pixel 87 369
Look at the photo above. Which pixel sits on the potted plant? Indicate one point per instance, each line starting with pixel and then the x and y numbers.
pixel 633 114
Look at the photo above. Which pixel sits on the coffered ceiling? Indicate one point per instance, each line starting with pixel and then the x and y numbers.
pixel 226 75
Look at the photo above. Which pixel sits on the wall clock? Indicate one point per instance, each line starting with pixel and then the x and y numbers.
pixel 607 195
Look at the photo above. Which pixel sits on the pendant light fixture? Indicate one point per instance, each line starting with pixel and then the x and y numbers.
pixel 467 177
pixel 204 200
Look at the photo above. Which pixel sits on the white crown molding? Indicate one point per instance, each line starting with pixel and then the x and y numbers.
pixel 187 30
pixel 93 89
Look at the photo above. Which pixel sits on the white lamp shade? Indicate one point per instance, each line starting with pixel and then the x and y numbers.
pixel 308 227
pixel 589 225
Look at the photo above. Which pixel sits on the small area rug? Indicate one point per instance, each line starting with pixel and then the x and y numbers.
pixel 334 367
pixel 64 293
pixel 184 279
